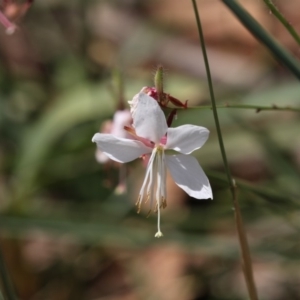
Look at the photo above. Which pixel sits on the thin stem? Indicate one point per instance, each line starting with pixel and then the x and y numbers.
pixel 7 284
pixel 212 96
pixel 264 37
pixel 283 21
pixel 257 108
pixel 246 257
pixel 244 247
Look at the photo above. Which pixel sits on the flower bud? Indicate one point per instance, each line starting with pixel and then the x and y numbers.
pixel 158 82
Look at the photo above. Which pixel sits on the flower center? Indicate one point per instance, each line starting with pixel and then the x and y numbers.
pixel 154 185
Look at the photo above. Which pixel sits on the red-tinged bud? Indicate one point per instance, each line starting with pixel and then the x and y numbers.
pixel 177 102
pixel 163 99
pixel 151 91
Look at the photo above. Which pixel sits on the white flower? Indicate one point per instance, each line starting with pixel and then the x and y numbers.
pixel 154 138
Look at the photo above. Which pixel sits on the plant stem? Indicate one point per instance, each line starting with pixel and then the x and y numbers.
pixel 245 252
pixel 283 21
pixel 244 247
pixel 212 96
pixel 257 108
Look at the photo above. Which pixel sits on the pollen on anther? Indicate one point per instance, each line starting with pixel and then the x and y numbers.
pixel 164 202
pixel 138 204
pixel 147 197
pixel 138 200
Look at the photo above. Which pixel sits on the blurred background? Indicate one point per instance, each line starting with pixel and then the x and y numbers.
pixel 66 230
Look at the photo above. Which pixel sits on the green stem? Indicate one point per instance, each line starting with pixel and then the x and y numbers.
pixel 258 108
pixel 246 256
pixel 283 21
pixel 244 247
pixel 264 37
pixel 212 96
pixel 7 284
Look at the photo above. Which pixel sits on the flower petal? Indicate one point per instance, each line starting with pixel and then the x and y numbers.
pixel 121 118
pixel 189 176
pixel 186 138
pixel 149 120
pixel 119 149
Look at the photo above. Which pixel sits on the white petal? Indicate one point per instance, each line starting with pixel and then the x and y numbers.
pixel 121 118
pixel 149 120
pixel 189 176
pixel 133 103
pixel 119 149
pixel 186 138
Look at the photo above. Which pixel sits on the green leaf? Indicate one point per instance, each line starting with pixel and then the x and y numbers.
pixel 81 104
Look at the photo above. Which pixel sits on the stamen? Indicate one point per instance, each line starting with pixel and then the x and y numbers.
pixel 152 180
pixel 138 200
pixel 139 204
pixel 148 214
pixel 164 178
pixel 149 169
pixel 162 181
pixel 147 198
pixel 164 203
pixel 155 182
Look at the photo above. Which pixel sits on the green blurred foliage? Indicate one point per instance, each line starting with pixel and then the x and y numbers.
pixel 66 233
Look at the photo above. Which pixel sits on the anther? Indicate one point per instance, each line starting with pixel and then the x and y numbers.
pixel 147 197
pixel 164 202
pixel 149 213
